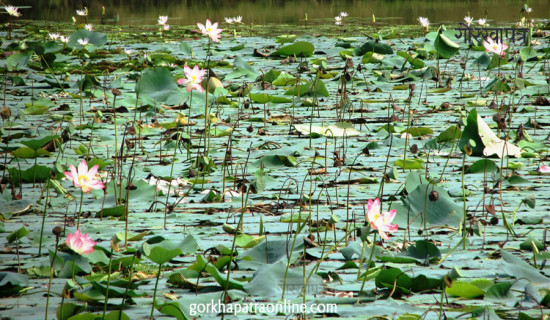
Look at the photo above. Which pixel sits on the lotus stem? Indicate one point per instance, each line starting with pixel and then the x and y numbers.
pixel 155 291
pixel 368 263
pixel 51 276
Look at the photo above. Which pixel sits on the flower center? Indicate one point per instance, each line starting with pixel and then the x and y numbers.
pixel 83 180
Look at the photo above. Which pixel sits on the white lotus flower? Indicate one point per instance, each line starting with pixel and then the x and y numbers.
pixel 338 20
pixel 238 19
pixel 343 14
pixel 482 22
pixel 495 47
pixel 229 20
pixel 88 27
pixel 54 36
pixel 162 20
pixel 64 39
pixel 83 42
pixel 83 12
pixel 468 20
pixel 424 22
pixel 211 30
pixel 12 11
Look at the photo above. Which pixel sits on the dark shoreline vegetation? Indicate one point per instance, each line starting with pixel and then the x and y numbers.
pixel 287 12
pixel 256 185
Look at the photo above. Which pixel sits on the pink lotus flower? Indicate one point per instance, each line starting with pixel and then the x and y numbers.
pixel 84 179
pixel 80 243
pixel 380 222
pixel 210 30
pixel 194 78
pixel 543 169
pixel 495 47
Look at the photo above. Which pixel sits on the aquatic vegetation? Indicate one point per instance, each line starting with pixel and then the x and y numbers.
pixel 244 171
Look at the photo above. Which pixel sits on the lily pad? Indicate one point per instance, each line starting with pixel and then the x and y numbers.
pixel 298 49
pixel 486 141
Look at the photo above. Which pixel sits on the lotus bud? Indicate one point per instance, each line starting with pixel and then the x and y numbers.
pixel 349 63
pixel 5 113
pixel 57 231
pixel 347 76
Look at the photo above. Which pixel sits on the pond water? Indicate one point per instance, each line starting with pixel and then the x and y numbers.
pixel 281 11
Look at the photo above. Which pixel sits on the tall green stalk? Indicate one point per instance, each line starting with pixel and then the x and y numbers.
pixel 155 291
pixel 368 263
pixel 108 283
pixel 464 233
pixel 233 246
pixel 45 215
pixel 51 275
pixel 80 209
